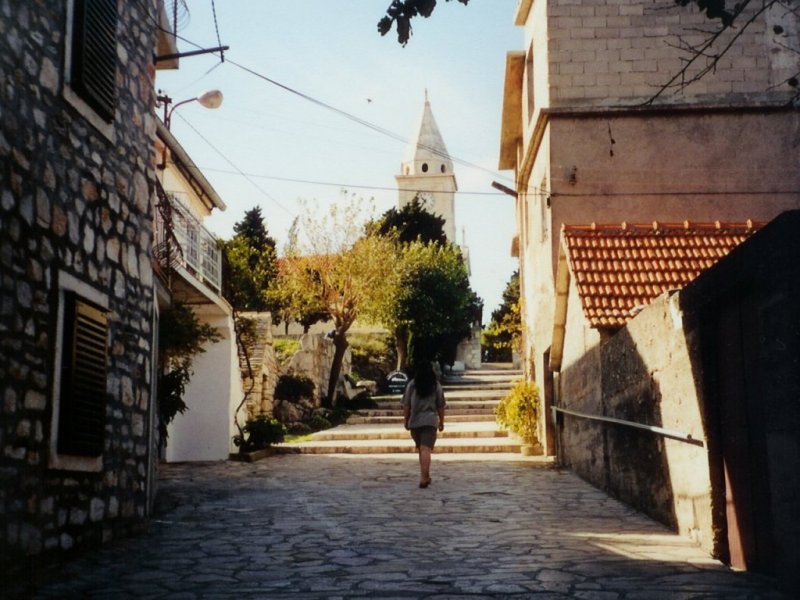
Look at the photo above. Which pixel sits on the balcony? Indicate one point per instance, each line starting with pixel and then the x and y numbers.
pixel 181 242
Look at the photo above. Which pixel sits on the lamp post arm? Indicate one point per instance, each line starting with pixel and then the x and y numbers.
pixel 168 119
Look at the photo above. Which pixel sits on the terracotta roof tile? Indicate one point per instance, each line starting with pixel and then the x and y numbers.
pixel 621 268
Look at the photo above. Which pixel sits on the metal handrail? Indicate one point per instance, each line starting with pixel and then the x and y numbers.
pixel 669 433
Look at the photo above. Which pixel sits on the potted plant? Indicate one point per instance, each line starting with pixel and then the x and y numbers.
pixel 519 412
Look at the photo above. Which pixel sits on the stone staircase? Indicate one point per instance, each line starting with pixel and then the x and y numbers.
pixel 470 426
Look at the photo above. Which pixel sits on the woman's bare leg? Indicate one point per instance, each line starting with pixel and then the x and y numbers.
pixel 424 464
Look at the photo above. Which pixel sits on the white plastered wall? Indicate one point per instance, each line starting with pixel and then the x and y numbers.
pixel 205 431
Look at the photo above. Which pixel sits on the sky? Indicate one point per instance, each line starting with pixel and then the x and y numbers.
pixel 274 147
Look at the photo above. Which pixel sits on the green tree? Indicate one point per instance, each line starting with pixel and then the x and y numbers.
pixel 400 13
pixel 433 307
pixel 346 272
pixel 412 223
pixel 254 230
pixel 504 331
pixel 252 265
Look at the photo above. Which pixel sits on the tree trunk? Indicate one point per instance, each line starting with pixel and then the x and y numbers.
pixel 340 345
pixel 401 345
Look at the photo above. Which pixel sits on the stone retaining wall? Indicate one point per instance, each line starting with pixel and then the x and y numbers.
pixel 264 365
pixel 645 373
pixel 314 360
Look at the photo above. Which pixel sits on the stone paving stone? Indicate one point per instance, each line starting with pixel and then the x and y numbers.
pixel 311 527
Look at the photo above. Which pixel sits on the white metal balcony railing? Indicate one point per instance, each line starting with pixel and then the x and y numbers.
pixel 198 251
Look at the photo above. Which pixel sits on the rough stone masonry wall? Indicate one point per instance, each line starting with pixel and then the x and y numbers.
pixel 612 52
pixel 314 360
pixel 264 365
pixel 645 373
pixel 72 201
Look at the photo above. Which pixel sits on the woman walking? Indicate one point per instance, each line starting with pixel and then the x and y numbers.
pixel 423 411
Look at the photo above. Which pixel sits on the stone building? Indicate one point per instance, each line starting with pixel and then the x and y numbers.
pixel 589 144
pixel 77 132
pixel 596 147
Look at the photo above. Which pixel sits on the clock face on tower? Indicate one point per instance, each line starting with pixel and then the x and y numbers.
pixel 425 200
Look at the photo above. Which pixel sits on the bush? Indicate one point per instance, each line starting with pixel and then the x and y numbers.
pixel 294 387
pixel 261 432
pixel 373 355
pixel 518 411
pixel 318 423
pixel 285 348
pixel 361 401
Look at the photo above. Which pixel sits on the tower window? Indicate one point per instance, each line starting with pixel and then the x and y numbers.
pixel 442 169
pixel 424 167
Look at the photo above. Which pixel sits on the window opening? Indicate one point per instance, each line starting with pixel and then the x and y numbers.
pixel 82 396
pixel 93 73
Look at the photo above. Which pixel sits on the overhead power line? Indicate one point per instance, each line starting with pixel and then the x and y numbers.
pixel 340 185
pixel 363 122
pixel 237 169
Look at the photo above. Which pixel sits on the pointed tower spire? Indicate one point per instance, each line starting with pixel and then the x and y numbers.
pixel 426 172
pixel 426 152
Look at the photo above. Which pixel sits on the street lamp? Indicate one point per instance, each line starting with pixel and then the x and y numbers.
pixel 209 99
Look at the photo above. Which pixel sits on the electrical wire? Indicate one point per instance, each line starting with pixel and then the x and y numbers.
pixel 342 185
pixel 363 122
pixel 216 27
pixel 231 163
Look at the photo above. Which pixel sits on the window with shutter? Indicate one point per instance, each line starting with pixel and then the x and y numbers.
pixel 93 73
pixel 82 408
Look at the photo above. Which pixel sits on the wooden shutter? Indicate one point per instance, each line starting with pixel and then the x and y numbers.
pixel 94 55
pixel 82 405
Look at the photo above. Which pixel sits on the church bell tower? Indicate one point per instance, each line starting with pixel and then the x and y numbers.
pixel 427 172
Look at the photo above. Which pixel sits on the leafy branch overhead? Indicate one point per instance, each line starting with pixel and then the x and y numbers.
pixel 400 13
pixel 715 9
pixel 705 48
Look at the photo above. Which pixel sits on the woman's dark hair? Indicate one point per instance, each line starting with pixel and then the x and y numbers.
pixel 425 378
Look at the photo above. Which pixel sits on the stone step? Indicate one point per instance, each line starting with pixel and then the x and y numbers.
pixel 471 432
pixel 453 411
pixel 405 446
pixel 398 418
pixel 454 388
pixel 395 431
pixel 452 405
pixel 453 396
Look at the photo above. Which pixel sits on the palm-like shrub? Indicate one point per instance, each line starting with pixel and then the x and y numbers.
pixel 519 411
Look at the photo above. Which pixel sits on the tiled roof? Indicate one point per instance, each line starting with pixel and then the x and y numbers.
pixel 619 269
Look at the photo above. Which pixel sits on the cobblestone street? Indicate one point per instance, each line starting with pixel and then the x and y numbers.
pixel 315 527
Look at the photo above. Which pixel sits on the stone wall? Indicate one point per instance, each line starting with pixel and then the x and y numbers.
pixel 75 208
pixel 469 349
pixel 717 361
pixel 645 373
pixel 264 365
pixel 314 360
